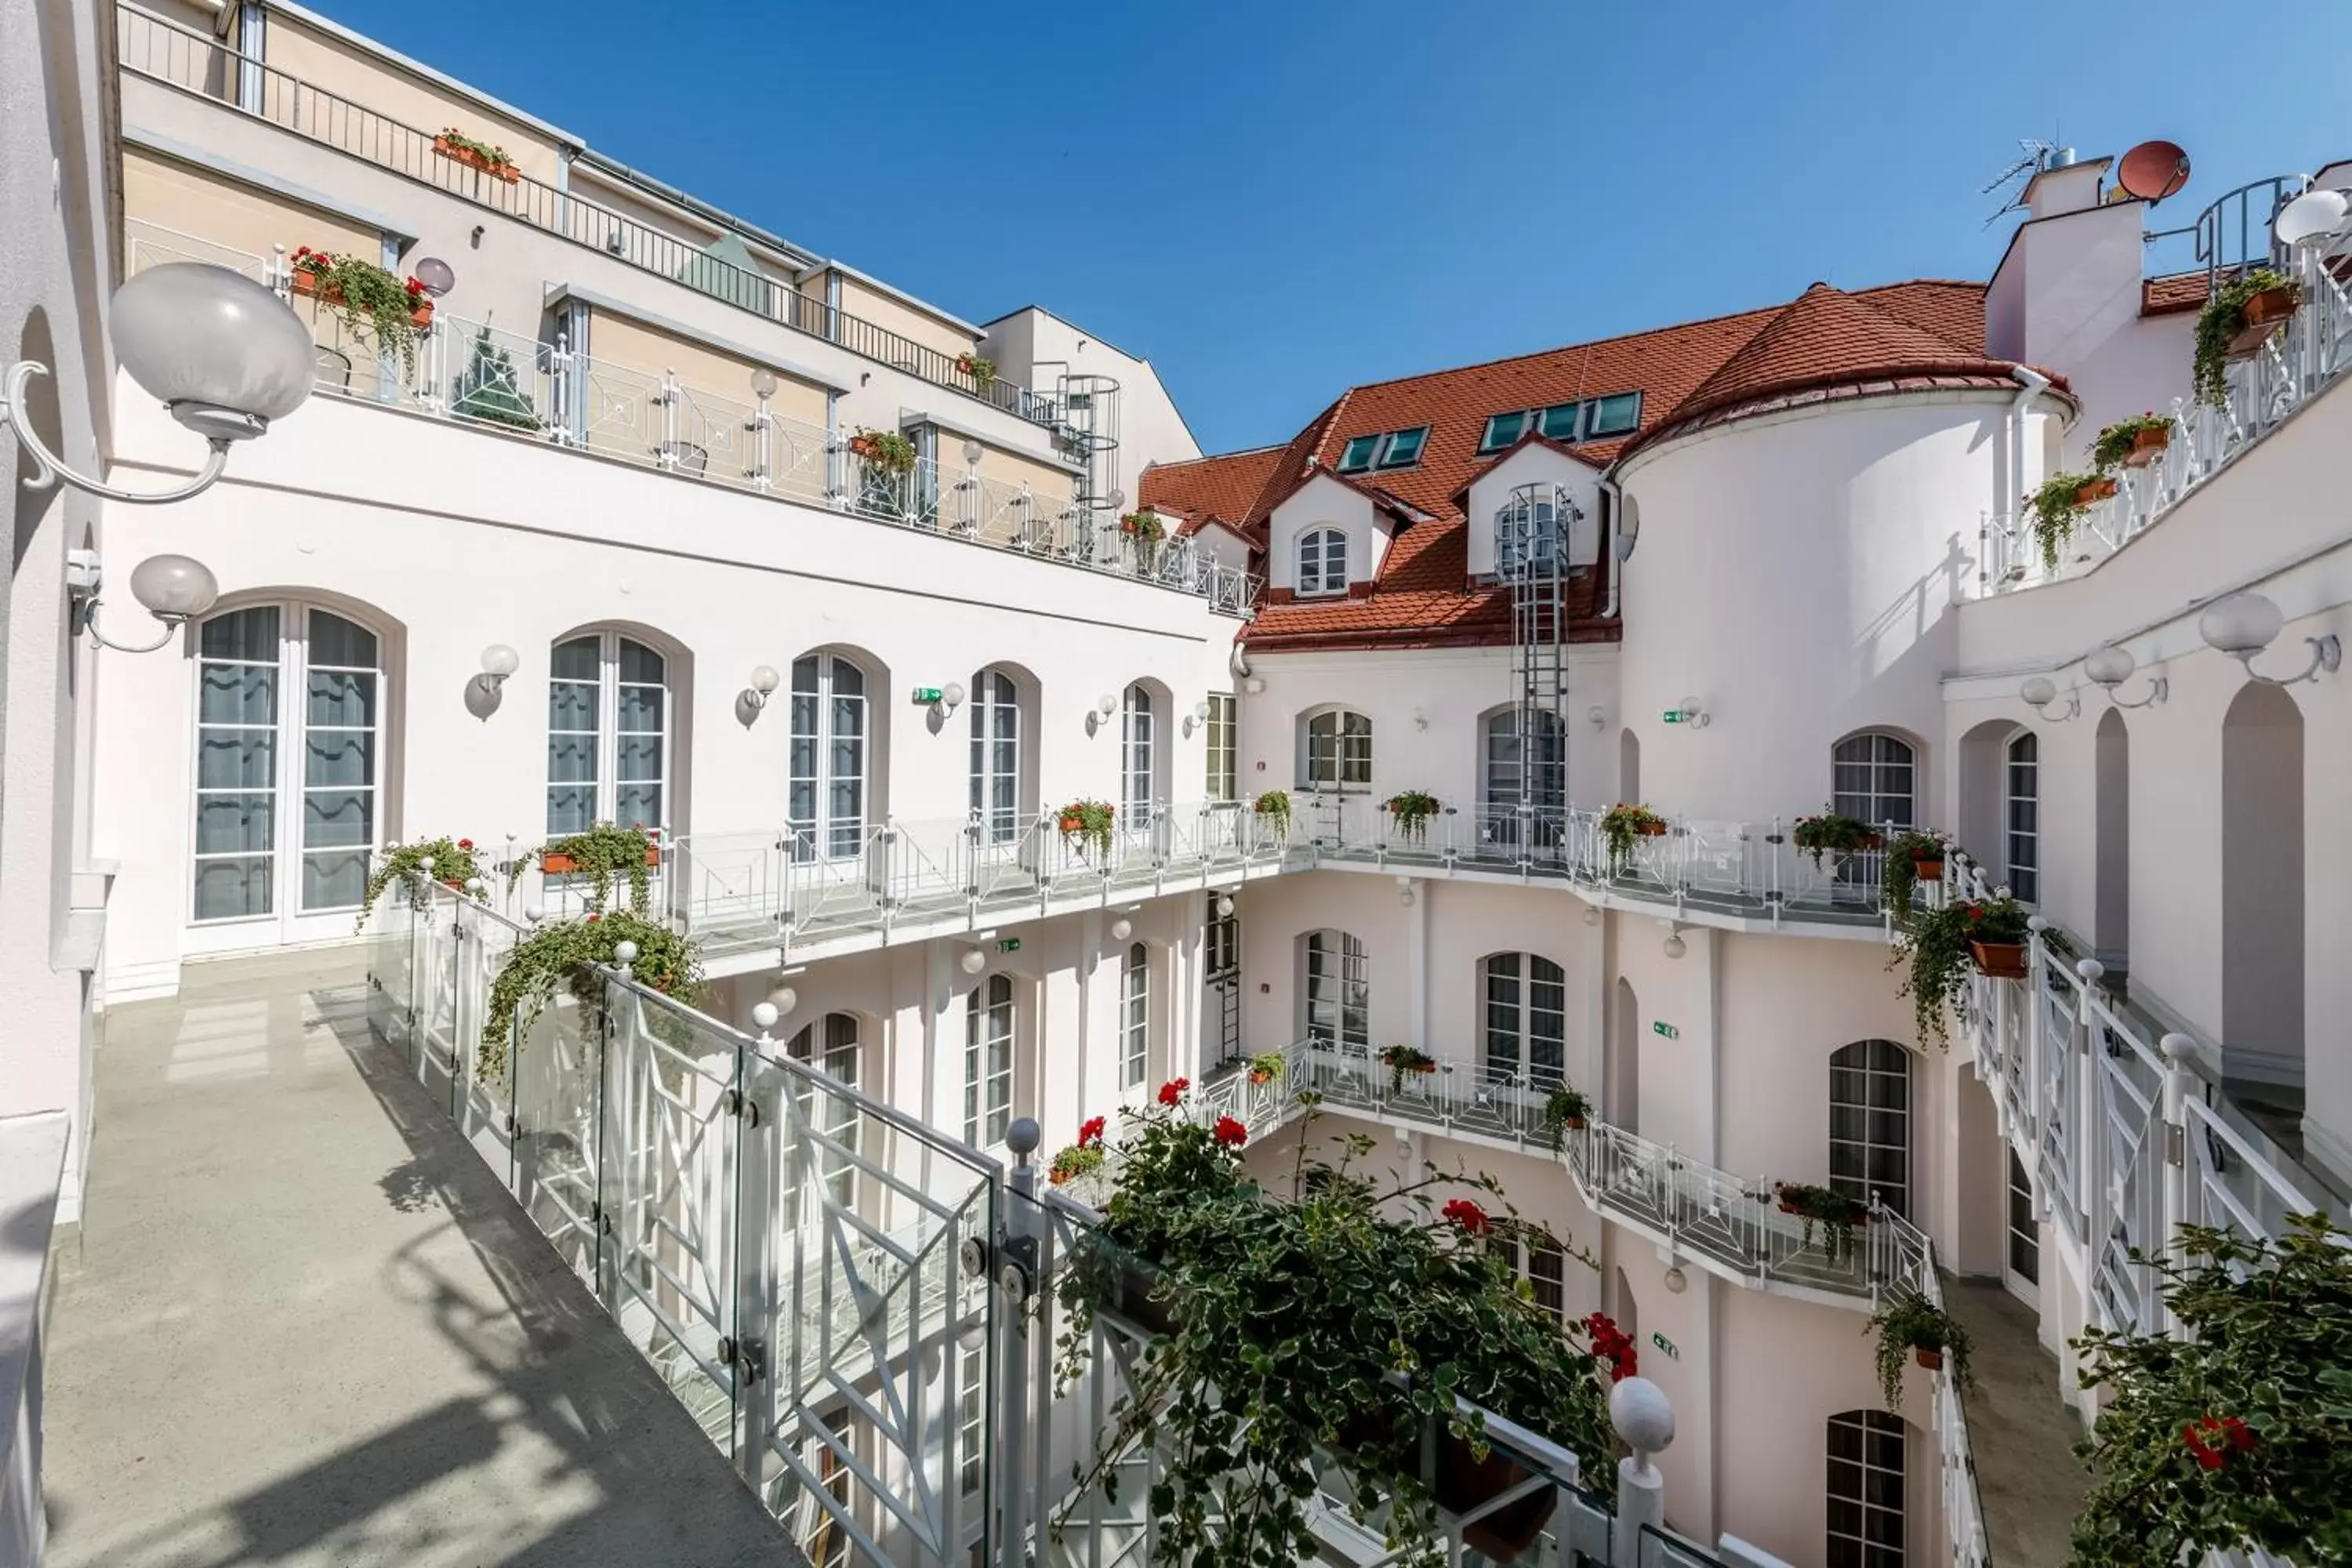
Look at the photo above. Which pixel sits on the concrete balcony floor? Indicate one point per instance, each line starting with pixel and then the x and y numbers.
pixel 305 1326
pixel 2021 1431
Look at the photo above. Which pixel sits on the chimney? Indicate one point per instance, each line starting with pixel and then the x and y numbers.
pixel 2065 184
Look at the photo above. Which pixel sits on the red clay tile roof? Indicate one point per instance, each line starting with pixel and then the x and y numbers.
pixel 2166 296
pixel 1219 488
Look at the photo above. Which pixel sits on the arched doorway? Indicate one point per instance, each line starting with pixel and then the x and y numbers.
pixel 2261 887
pixel 1629 766
pixel 1622 1094
pixel 2111 804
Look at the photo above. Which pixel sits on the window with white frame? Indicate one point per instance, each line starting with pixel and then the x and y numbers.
pixel 1526 1017
pixel 1138 749
pixel 1337 992
pixel 1870 1123
pixel 1322 561
pixel 1543 1264
pixel 832 1047
pixel 2025 817
pixel 1518 775
pixel 1873 779
pixel 286 790
pixel 1223 735
pixel 988 1062
pixel 826 797
pixel 996 756
pixel 607 733
pixel 1135 1017
pixel 1865 1490
pixel 1339 750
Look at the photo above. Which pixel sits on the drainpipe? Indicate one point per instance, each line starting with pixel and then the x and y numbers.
pixel 2031 384
pixel 1616 494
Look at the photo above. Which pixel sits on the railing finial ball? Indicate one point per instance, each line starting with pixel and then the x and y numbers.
pixel 1023 1137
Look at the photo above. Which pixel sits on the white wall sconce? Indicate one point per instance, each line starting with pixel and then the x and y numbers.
pixel 1592 914
pixel 973 962
pixel 951 697
pixel 783 999
pixel 499 661
pixel 1676 946
pixel 1197 716
pixel 175 589
pixel 1676 1281
pixel 761 685
pixel 1597 716
pixel 1106 705
pixel 1404 891
pixel 1225 907
pixel 224 354
pixel 2110 666
pixel 1255 685
pixel 972 453
pixel 1122 928
pixel 1689 712
pixel 2243 625
pixel 2039 691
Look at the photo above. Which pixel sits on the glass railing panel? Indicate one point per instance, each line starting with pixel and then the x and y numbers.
pixel 484 1097
pixel 558 1077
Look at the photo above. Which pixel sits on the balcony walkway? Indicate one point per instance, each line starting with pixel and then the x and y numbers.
pixel 307 1327
pixel 2020 1430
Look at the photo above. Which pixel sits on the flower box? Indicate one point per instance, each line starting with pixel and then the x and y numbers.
pixel 2097 490
pixel 1259 1075
pixel 1652 829
pixel 1932 1360
pixel 473 160
pixel 306 283
pixel 2260 317
pixel 2146 446
pixel 555 865
pixel 1999 959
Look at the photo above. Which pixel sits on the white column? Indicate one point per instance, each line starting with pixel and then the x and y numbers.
pixel 1415 894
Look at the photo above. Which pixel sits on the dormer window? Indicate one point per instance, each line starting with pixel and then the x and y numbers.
pixel 1323 563
pixel 1558 421
pixel 1501 429
pixel 1360 453
pixel 1385 449
pixel 1616 415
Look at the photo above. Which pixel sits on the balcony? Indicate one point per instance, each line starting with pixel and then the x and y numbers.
pixel 162 51
pixel 470 373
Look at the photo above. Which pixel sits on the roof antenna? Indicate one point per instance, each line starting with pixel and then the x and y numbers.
pixel 2035 155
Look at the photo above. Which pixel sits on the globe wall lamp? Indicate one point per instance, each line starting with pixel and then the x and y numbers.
pixel 499 661
pixel 2110 666
pixel 1688 711
pixel 2039 692
pixel 224 354
pixel 2243 625
pixel 1675 945
pixel 950 698
pixel 761 685
pixel 1196 718
pixel 174 589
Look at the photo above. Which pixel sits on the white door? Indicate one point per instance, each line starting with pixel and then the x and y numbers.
pixel 289 704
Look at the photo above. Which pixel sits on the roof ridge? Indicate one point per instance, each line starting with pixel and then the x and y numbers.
pixel 1221 457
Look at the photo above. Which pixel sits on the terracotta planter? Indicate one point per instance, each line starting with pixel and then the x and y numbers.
pixel 1258 1077
pixel 1074 825
pixel 1652 829
pixel 306 283
pixel 1573 1123
pixel 454 885
pixel 1932 1360
pixel 2097 490
pixel 1927 870
pixel 2263 314
pixel 2146 446
pixel 1999 959
pixel 553 865
pixel 473 160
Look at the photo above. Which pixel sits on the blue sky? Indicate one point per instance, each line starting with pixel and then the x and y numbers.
pixel 1272 201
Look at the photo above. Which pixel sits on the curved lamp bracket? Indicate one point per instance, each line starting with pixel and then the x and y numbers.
pixel 48 467
pixel 2327 659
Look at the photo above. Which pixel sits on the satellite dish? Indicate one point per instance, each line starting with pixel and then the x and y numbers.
pixel 2153 170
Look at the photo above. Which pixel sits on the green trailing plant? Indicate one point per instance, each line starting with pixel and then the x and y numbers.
pixel 1908 1326
pixel 1403 1059
pixel 487 388
pixel 1275 806
pixel 1340 1317
pixel 1411 810
pixel 1268 1067
pixel 599 854
pixel 1621 824
pixel 1833 833
pixel 445 859
pixel 2218 325
pixel 1075 1160
pixel 1145 527
pixel 980 367
pixel 1825 1211
pixel 379 307
pixel 1088 822
pixel 563 954
pixel 2119 440
pixel 1565 1107
pixel 1935 947
pixel 489 153
pixel 2056 508
pixel 1900 878
pixel 885 451
pixel 2239 1433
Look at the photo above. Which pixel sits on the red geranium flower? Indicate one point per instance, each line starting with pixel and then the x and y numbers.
pixel 465 844
pixel 1231 1132
pixel 1173 1089
pixel 2227 1432
pixel 1090 1132
pixel 593 918
pixel 1468 1215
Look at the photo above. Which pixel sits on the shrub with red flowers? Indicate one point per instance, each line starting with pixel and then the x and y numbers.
pixel 1091 1131
pixel 1172 1091
pixel 2238 1434
pixel 443 859
pixel 378 307
pixel 1611 1346
pixel 1319 1311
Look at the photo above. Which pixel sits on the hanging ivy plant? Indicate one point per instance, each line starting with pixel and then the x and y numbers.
pixel 1316 1322
pixel 562 954
pixel 1621 824
pixel 2238 1434
pixel 1833 833
pixel 2223 318
pixel 1275 806
pixel 1412 808
pixel 597 855
pixel 1088 822
pixel 376 306
pixel 2057 507
pixel 1145 527
pixel 980 367
pixel 449 861
pixel 1826 1212
pixel 1268 1067
pixel 1939 948
pixel 2120 442
pixel 885 451
pixel 1900 878
pixel 1911 1328
pixel 1565 1108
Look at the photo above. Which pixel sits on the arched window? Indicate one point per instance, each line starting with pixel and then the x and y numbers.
pixel 607 733
pixel 996 756
pixel 1865 1490
pixel 1516 775
pixel 289 726
pixel 1138 750
pixel 2024 815
pixel 1323 561
pixel 1526 1017
pixel 825 799
pixel 988 1062
pixel 1872 779
pixel 1870 1123
pixel 1135 1017
pixel 1339 750
pixel 835 1115
pixel 1337 991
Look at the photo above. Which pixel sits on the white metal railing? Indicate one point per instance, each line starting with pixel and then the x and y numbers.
pixel 32 1168
pixel 473 372
pixel 2287 370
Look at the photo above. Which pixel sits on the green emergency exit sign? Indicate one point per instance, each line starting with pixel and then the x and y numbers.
pixel 926 694
pixel 1010 944
pixel 1671 715
pixel 1664 1030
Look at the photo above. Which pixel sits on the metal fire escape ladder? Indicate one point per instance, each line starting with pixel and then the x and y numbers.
pixel 1531 535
